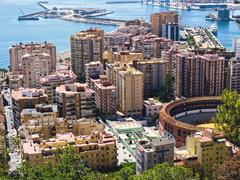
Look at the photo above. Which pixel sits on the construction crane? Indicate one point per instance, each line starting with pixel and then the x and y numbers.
pixel 21 11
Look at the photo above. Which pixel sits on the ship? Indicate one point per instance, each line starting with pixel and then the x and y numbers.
pixel 22 18
pixel 211 17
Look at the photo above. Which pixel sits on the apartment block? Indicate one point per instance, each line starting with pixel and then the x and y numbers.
pixel 34 67
pixel 155 72
pixel 75 101
pixel 199 75
pixel 51 82
pixel 106 95
pixel 26 98
pixel 234 74
pixel 171 31
pixel 15 81
pixel 85 126
pixel 86 46
pixel 127 56
pixel 40 120
pixel 19 50
pixel 210 147
pixel 152 107
pixel 92 71
pixel 151 45
pixel 115 39
pixel 154 151
pixel 159 19
pixel 130 91
pixel 98 149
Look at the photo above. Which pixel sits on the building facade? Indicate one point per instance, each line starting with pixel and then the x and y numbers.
pixel 19 50
pixel 154 71
pixel 75 101
pixel 92 71
pixel 234 75
pixel 199 75
pixel 154 151
pixel 159 19
pixel 86 46
pixel 26 98
pixel 130 91
pixel 98 150
pixel 51 82
pixel 106 96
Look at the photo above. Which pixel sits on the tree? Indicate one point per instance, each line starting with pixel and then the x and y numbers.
pixel 166 94
pixel 68 166
pixel 229 170
pixel 165 171
pixel 228 116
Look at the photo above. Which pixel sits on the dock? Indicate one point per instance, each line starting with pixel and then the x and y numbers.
pixel 122 2
pixel 93 20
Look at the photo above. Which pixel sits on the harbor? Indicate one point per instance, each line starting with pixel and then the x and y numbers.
pixel 76 14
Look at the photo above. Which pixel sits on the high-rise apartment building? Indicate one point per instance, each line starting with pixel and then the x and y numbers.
pixel 234 74
pixel 156 150
pixel 26 98
pixel 92 71
pixel 171 31
pixel 34 67
pixel 51 82
pixel 86 46
pixel 105 96
pixel 151 45
pixel 19 50
pixel 154 71
pixel 236 47
pixel 159 19
pixel 199 75
pixel 75 101
pixel 130 91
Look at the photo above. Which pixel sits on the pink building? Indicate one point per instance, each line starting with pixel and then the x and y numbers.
pixel 51 82
pixel 105 97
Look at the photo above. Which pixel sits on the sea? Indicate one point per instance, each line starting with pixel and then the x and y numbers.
pixel 58 31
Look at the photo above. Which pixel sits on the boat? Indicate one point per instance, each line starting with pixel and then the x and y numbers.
pixel 22 18
pixel 211 17
pixel 213 28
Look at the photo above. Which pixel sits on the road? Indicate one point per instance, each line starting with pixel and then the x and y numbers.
pixel 14 153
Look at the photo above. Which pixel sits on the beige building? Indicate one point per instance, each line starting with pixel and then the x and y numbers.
pixel 98 149
pixel 210 147
pixel 26 98
pixel 34 67
pixel 106 95
pixel 75 101
pixel 86 126
pixel 40 120
pixel 155 71
pixel 19 50
pixel 86 46
pixel 159 19
pixel 15 81
pixel 51 82
pixel 127 56
pixel 130 91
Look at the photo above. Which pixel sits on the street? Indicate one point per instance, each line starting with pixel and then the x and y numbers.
pixel 14 153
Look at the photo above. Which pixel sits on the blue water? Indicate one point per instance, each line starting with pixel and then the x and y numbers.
pixel 58 31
